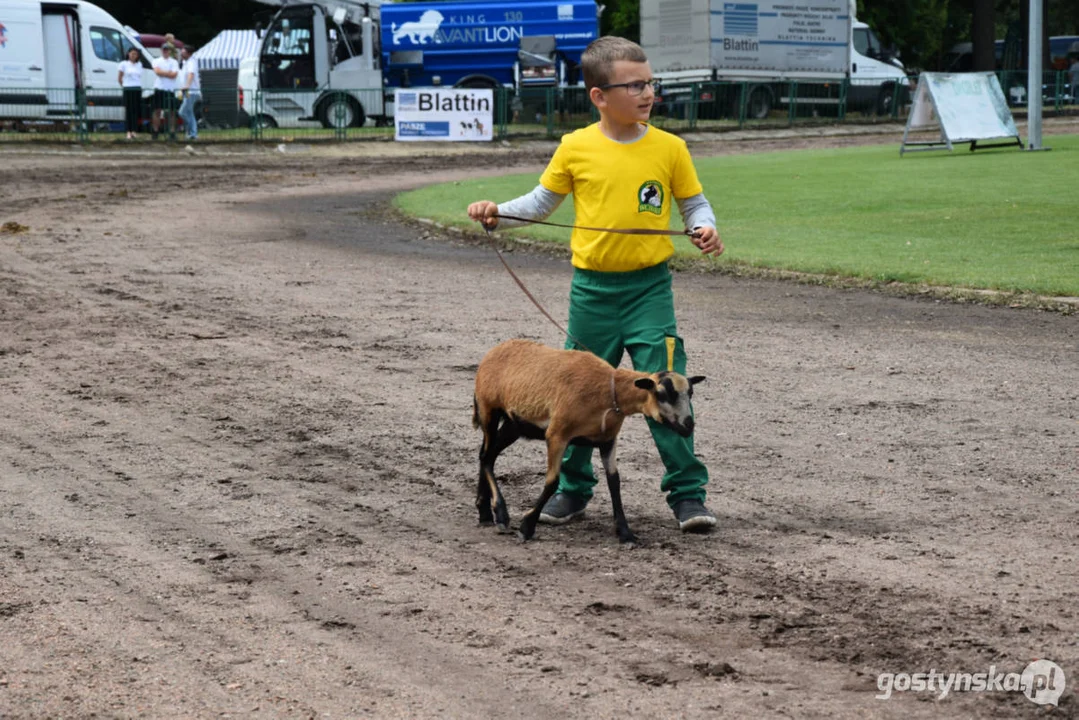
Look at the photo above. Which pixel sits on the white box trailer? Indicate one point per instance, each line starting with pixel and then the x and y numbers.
pixel 54 51
pixel 768 44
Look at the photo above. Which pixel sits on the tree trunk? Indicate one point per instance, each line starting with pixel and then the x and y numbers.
pixel 982 35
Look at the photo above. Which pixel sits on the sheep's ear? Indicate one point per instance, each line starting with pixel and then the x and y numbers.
pixel 645 384
pixel 696 379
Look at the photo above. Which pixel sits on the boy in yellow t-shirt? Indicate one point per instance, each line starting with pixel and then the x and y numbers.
pixel 623 173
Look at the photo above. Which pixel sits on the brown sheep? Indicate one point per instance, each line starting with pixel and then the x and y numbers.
pixel 565 397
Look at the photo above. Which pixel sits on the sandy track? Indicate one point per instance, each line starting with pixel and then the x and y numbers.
pixel 238 472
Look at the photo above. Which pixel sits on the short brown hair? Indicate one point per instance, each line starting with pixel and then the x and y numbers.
pixel 598 59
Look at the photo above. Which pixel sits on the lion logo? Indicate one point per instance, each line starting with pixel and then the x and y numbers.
pixel 420 31
pixel 650 197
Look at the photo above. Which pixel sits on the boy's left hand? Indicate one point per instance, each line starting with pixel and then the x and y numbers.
pixel 707 239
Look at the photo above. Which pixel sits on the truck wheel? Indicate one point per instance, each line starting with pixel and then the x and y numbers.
pixel 265 122
pixel 477 82
pixel 341 111
pixel 759 104
pixel 886 100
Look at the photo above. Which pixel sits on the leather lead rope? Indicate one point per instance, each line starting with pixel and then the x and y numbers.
pixel 620 231
pixel 531 297
pixel 630 231
pixel 625 231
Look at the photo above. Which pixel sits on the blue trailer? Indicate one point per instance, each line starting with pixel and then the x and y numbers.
pixel 337 62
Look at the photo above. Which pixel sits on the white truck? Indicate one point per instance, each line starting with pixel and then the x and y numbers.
pixel 767 44
pixel 50 52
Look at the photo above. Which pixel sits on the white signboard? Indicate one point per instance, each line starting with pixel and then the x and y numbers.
pixel 765 38
pixel 443 114
pixel 966 107
pixel 783 37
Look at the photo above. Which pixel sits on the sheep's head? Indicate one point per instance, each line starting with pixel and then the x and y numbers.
pixel 671 393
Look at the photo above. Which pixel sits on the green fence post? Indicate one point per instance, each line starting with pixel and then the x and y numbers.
pixel 550 112
pixel 340 128
pixel 82 127
pixel 694 103
pixel 842 112
pixel 792 102
pixel 742 105
pixel 256 125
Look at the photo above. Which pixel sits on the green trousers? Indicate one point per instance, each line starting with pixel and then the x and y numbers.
pixel 633 312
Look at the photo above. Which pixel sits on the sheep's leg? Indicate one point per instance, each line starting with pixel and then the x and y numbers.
pixel 614 484
pixel 489 500
pixel 556 448
pixel 483 486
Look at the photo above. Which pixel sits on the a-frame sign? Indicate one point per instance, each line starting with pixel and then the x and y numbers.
pixel 965 107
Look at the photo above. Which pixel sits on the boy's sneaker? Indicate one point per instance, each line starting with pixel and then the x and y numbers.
pixel 693 516
pixel 562 508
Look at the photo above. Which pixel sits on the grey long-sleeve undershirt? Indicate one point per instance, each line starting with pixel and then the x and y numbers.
pixel 541 202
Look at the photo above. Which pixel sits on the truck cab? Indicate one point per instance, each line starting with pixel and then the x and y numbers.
pixel 874 71
pixel 318 63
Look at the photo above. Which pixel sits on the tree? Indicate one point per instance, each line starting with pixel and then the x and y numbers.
pixel 919 29
pixel 622 18
pixel 195 22
pixel 983 35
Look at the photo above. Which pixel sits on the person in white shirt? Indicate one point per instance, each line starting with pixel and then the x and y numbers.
pixel 130 80
pixel 167 70
pixel 192 89
pixel 1073 78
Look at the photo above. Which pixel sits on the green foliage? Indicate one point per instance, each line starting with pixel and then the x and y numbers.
pixel 918 28
pixel 622 18
pixel 195 22
pixel 1000 219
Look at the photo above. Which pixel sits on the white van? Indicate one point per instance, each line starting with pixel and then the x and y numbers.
pixel 51 50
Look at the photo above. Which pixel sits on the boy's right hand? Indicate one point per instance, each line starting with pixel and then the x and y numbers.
pixel 485 212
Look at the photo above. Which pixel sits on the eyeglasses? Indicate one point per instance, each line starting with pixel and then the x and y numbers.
pixel 633 88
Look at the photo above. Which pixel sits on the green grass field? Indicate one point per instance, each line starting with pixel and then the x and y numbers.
pixel 1000 219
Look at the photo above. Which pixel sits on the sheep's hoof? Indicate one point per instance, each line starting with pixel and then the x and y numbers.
pixel 522 537
pixel 629 540
pixel 486 522
pixel 503 528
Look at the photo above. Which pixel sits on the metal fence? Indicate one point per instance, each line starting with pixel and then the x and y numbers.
pixel 78 115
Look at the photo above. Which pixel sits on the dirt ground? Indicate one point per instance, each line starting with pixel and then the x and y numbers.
pixel 237 469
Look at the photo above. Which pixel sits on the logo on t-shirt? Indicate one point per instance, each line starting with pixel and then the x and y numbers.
pixel 650 197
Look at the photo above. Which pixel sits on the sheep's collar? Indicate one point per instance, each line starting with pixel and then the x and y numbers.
pixel 614 407
pixel 614 397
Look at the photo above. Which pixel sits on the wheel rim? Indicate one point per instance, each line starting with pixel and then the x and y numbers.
pixel 341 114
pixel 758 106
pixel 885 104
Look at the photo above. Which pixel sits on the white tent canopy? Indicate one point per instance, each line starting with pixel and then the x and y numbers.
pixel 226 50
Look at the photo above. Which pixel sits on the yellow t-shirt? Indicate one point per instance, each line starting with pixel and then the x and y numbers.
pixel 621 185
